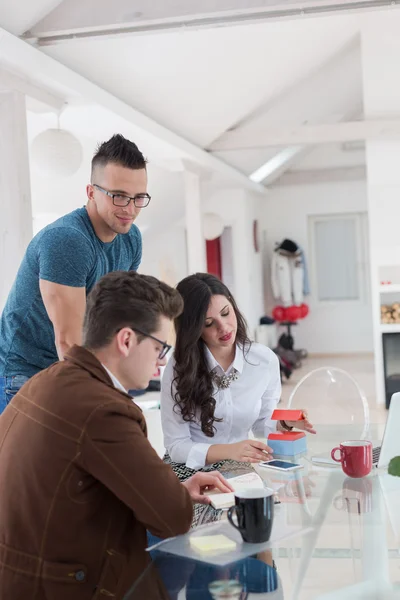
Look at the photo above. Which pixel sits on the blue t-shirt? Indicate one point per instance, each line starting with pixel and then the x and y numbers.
pixel 67 252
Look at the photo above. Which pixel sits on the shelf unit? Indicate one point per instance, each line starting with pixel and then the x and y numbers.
pixel 390 288
pixel 390 327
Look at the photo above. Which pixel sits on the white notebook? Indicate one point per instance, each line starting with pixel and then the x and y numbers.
pixel 240 483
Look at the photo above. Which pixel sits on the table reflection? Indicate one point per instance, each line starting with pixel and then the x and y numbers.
pixel 253 577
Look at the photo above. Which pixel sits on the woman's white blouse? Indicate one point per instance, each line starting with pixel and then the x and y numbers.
pixel 246 405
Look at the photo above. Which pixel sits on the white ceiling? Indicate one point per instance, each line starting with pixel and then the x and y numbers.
pixel 17 17
pixel 245 77
pixel 201 83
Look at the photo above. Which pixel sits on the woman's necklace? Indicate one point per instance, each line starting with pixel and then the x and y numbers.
pixel 224 381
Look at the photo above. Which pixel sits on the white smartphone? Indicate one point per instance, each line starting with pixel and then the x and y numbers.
pixel 280 465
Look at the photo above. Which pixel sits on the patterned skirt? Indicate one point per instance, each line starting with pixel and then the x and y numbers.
pixel 205 513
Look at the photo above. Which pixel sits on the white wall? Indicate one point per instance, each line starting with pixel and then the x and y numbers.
pixel 248 262
pixel 330 328
pixel 164 254
pixel 238 209
pixel 165 257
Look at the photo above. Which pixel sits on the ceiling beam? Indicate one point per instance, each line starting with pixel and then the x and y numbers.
pixel 302 91
pixel 17 17
pixel 315 176
pixel 306 135
pixel 11 81
pixel 296 104
pixel 18 55
pixel 95 18
pixel 290 156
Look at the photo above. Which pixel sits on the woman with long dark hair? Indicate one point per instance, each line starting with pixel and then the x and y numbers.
pixel 219 385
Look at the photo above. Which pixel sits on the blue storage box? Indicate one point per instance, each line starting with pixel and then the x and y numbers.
pixel 284 446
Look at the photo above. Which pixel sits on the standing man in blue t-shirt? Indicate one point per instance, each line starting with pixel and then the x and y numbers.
pixel 44 311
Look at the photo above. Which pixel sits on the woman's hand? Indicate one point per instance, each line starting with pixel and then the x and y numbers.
pixel 252 451
pixel 303 424
pixel 202 482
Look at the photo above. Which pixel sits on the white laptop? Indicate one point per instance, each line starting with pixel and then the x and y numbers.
pixel 390 446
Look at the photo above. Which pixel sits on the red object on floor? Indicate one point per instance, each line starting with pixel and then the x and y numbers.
pixel 279 313
pixel 287 415
pixel 304 310
pixel 292 313
pixel 213 251
pixel 286 436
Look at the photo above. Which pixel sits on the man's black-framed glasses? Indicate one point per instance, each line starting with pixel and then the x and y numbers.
pixel 165 347
pixel 140 200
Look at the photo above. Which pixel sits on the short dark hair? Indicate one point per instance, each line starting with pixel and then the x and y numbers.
pixel 120 151
pixel 127 299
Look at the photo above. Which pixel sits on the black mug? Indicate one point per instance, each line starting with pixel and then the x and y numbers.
pixel 254 510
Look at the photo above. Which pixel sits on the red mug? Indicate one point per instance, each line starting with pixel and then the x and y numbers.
pixel 355 456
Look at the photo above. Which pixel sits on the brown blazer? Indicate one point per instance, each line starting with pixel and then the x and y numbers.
pixel 80 484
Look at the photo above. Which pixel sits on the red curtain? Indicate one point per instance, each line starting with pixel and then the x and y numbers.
pixel 213 249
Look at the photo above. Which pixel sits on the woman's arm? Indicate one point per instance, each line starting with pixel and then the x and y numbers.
pixel 249 450
pixel 195 455
pixel 264 425
pixel 252 451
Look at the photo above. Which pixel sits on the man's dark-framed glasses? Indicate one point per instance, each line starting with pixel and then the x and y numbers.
pixel 140 200
pixel 165 347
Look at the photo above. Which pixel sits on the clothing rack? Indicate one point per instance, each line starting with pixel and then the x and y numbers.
pixel 288 325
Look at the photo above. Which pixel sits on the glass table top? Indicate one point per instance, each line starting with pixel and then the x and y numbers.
pixel 345 542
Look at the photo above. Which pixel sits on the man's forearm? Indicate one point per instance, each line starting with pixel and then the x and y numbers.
pixel 65 307
pixel 64 340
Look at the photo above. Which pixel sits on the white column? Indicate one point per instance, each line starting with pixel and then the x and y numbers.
pixel 247 264
pixel 238 209
pixel 196 245
pixel 15 189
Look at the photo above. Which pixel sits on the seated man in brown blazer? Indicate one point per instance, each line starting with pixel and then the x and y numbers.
pixel 80 482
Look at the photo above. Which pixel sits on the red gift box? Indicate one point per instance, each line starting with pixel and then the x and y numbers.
pixel 286 436
pixel 287 415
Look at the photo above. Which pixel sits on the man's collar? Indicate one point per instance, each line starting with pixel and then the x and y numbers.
pixel 116 382
pixel 87 360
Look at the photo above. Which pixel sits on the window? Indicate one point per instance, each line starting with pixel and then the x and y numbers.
pixel 338 257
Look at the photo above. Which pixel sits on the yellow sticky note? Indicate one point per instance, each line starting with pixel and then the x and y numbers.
pixel 212 543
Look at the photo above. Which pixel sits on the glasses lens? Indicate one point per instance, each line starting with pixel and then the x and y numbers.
pixel 164 352
pixel 142 201
pixel 121 200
